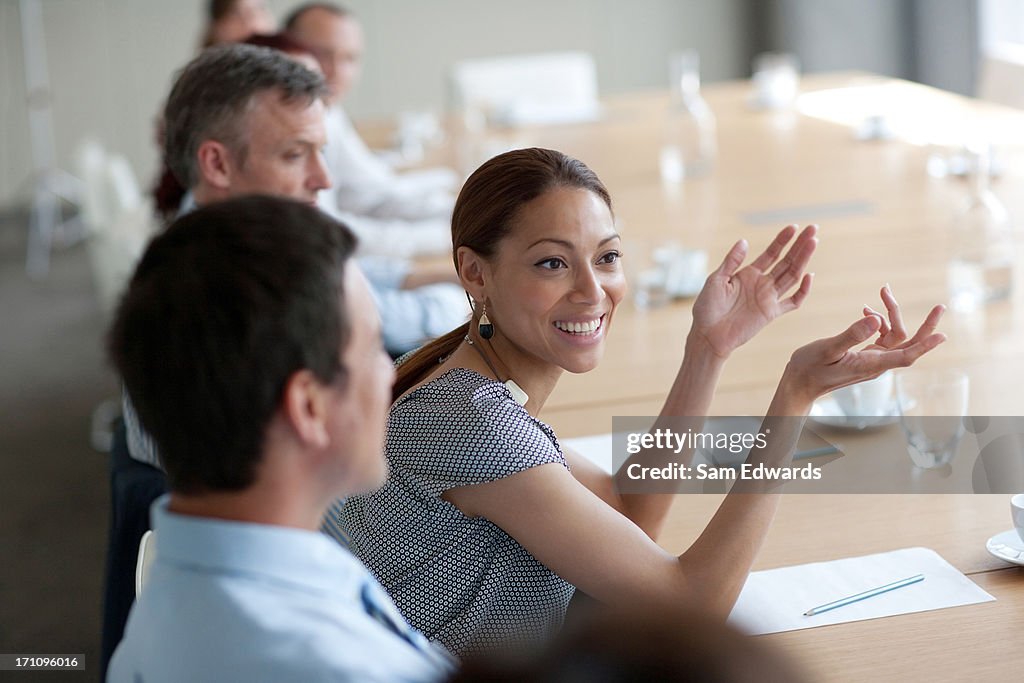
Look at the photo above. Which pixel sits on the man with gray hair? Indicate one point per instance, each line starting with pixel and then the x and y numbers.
pixel 241 120
pixel 249 120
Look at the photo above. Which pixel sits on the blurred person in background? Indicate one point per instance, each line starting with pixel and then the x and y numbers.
pixel 392 212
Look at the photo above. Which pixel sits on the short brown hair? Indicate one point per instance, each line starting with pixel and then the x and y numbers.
pixel 224 307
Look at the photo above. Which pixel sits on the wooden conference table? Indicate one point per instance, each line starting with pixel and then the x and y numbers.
pixel 882 219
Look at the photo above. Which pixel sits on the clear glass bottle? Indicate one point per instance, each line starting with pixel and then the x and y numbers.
pixel 470 137
pixel 689 146
pixel 982 265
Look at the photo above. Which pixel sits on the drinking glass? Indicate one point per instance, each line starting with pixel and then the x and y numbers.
pixel 932 407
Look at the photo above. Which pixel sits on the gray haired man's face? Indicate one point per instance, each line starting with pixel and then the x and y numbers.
pixel 284 156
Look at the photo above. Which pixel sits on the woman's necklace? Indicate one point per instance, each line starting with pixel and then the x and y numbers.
pixel 518 395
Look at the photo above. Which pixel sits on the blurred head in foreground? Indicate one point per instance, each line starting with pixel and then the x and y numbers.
pixel 617 646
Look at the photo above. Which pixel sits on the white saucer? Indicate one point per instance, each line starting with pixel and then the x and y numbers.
pixel 826 411
pixel 1007 546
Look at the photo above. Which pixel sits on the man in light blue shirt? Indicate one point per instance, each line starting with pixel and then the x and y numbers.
pixel 250 346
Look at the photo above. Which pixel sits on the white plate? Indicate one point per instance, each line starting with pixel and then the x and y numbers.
pixel 826 411
pixel 1007 546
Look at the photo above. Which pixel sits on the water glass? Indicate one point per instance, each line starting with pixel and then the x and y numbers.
pixel 932 408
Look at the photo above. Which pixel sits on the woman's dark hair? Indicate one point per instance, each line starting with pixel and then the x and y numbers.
pixel 278 41
pixel 484 214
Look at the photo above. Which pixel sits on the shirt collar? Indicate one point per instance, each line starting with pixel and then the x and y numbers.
pixel 295 556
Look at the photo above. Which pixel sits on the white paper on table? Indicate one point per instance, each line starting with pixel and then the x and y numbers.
pixel 775 600
pixel 597 449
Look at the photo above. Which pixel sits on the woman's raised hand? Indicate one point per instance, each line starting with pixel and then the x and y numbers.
pixel 893 334
pixel 828 364
pixel 736 302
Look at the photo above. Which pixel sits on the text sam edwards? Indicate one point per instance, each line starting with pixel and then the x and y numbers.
pixel 702 471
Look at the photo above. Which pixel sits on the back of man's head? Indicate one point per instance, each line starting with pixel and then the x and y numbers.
pixel 213 92
pixel 223 308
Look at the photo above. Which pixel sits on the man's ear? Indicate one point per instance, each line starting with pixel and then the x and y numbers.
pixel 305 407
pixel 215 164
pixel 473 272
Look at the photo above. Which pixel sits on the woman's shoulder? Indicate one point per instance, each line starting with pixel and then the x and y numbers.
pixel 459 394
pixel 470 424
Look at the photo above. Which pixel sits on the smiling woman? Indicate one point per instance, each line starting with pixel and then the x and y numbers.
pixel 485 525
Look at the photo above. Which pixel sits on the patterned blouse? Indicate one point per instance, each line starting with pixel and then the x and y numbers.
pixel 461 581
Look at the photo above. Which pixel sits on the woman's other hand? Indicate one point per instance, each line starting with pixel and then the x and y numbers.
pixel 828 364
pixel 736 302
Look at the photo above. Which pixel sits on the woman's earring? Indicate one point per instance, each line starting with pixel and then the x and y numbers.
pixel 485 326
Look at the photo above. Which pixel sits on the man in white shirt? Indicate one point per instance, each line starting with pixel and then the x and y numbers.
pixel 249 343
pixel 409 212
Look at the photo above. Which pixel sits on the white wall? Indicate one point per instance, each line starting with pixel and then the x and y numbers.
pixel 931 41
pixel 110 64
pixel 112 61
pixel 830 35
pixel 414 42
pixel 1002 21
pixel 949 37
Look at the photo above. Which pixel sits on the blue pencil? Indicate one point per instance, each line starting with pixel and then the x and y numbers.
pixel 815 452
pixel 842 602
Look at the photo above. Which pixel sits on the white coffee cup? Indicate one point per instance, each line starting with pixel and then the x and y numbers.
pixel 872 398
pixel 1017 510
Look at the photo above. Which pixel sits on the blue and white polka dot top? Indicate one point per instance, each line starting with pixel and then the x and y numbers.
pixel 462 581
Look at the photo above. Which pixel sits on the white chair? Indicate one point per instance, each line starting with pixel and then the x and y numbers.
pixel 1001 75
pixel 147 554
pixel 119 222
pixel 556 87
pixel 118 217
pixel 90 164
